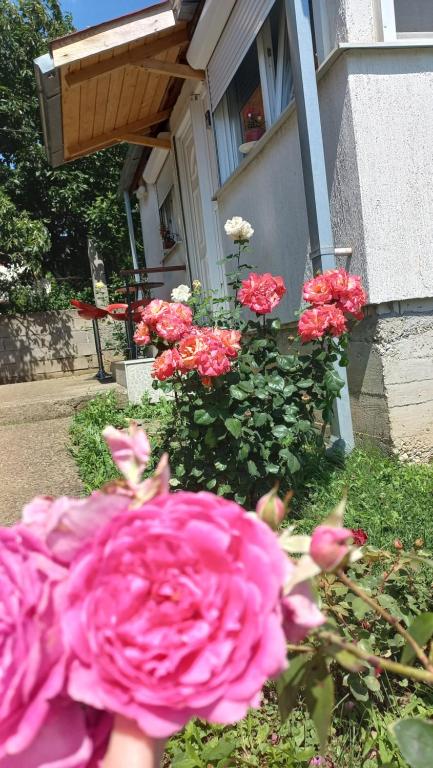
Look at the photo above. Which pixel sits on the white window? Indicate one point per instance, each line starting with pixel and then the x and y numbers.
pixel 259 91
pixel 406 19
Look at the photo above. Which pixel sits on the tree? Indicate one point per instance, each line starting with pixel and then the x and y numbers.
pixel 72 202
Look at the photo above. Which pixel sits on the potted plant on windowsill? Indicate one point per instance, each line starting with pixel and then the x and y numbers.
pixel 255 126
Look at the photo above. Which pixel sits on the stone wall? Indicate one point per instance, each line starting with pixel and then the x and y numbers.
pixel 44 345
pixel 391 378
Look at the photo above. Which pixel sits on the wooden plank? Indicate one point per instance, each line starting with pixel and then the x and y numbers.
pixel 114 92
pixel 172 69
pixel 156 86
pixel 105 139
pixel 117 32
pixel 139 95
pixel 145 141
pixel 132 56
pixel 102 90
pixel 87 110
pixel 70 112
pixel 127 95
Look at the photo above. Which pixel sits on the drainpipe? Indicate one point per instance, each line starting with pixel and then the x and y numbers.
pixel 315 181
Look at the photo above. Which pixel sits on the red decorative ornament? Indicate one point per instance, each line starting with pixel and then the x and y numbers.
pixel 88 311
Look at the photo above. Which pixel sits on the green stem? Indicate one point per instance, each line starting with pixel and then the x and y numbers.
pixel 378 662
pixel 392 620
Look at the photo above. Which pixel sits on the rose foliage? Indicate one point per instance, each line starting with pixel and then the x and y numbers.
pixel 242 400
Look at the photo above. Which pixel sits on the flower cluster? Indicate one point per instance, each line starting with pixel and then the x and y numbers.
pixel 261 293
pixel 209 351
pixel 333 296
pixel 137 602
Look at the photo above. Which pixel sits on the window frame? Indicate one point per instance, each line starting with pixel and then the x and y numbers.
pixel 389 25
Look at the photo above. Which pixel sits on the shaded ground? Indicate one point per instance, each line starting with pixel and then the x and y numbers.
pixel 34 461
pixel 34 424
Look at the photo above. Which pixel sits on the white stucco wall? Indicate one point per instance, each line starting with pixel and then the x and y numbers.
pixel 391 95
pixel 377 118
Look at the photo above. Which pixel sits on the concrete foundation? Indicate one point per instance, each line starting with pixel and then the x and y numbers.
pixel 391 378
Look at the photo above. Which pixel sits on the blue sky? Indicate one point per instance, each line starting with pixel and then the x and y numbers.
pixel 86 13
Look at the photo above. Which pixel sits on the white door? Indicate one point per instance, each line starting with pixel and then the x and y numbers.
pixel 192 205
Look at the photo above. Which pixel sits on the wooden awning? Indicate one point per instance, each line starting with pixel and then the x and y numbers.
pixel 115 77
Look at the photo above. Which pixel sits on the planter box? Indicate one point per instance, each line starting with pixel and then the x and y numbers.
pixel 135 376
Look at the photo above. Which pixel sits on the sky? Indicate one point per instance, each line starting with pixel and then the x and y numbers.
pixel 86 13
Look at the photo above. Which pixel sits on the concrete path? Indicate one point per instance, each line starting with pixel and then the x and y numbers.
pixel 34 425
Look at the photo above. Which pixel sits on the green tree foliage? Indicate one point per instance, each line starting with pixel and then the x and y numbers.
pixel 23 241
pixel 69 203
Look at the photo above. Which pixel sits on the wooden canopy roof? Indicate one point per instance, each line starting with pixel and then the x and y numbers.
pixel 115 77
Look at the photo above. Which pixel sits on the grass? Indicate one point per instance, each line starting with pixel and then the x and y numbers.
pixel 387 498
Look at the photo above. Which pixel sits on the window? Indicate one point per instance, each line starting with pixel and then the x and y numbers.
pixel 167 222
pixel 414 18
pixel 260 90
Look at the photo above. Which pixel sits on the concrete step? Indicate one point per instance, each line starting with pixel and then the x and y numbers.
pixel 49 399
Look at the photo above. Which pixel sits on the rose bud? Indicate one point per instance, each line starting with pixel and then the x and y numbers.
pixel 271 509
pixel 419 543
pixel 329 546
pixel 398 544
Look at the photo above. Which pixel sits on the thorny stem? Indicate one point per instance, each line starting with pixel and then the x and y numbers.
pixel 378 662
pixel 389 618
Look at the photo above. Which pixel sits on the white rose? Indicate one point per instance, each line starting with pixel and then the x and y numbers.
pixel 181 293
pixel 239 229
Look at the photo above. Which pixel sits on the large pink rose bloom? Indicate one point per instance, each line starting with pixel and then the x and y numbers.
pixel 261 293
pixel 174 611
pixel 31 652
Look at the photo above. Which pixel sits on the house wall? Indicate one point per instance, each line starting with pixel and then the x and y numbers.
pixel 44 345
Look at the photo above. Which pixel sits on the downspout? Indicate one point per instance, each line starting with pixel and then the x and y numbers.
pixel 315 181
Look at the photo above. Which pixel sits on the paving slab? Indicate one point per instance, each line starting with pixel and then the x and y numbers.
pixel 50 399
pixel 34 461
pixel 35 417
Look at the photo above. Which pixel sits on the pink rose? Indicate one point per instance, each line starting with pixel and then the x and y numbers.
pixel 32 657
pixel 173 611
pixel 261 293
pixel 301 614
pixel 316 322
pixel 318 290
pixel 64 523
pixel 154 311
pixel 166 365
pixel 329 546
pixel 142 335
pixel 130 450
pixel 213 362
pixel 72 736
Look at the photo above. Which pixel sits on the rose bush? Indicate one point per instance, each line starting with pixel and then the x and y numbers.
pixel 240 400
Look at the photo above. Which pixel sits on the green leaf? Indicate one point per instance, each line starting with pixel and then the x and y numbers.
pixel 260 419
pixel 252 469
pixel 332 382
pixel 273 469
pixel 421 630
pixel 348 661
pixel 276 384
pixel 234 427
pixel 320 699
pixel 372 683
pixel 219 751
pixel 280 431
pixel 210 439
pixel 247 386
pixel 415 739
pixel 286 362
pixel 276 324
pixel 244 451
pixel 204 418
pixel 305 383
pixel 290 682
pixel 292 462
pixel 358 688
pixel 237 393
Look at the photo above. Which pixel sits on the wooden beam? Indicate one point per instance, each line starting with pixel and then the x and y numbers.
pixel 133 57
pixel 105 140
pixel 145 141
pixel 173 69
